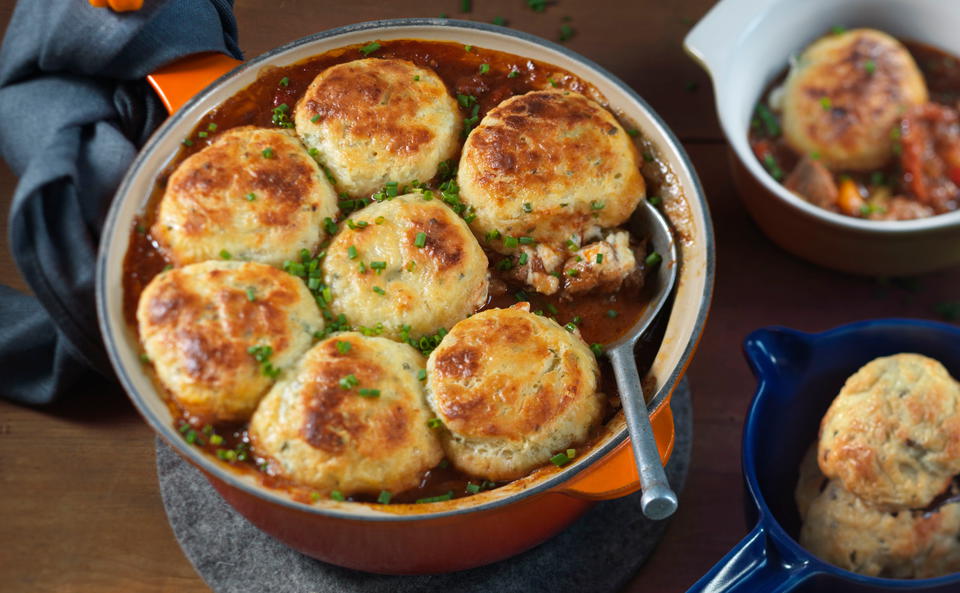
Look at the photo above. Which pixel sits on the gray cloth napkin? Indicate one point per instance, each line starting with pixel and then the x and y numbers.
pixel 74 110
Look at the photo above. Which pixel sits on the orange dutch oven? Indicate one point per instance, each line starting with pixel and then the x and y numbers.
pixel 460 533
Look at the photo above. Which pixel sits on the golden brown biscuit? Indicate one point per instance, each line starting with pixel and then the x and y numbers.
pixel 892 435
pixel 841 529
pixel 845 95
pixel 406 261
pixel 205 325
pixel 375 121
pixel 550 165
pixel 253 194
pixel 513 389
pixel 811 482
pixel 351 417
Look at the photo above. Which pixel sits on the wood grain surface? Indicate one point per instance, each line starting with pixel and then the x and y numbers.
pixel 79 505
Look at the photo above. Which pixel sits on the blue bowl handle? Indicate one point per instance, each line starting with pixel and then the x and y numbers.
pixel 753 566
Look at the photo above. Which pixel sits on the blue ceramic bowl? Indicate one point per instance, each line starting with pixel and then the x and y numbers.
pixel 798 376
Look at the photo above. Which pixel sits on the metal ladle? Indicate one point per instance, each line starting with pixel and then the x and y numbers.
pixel 659 500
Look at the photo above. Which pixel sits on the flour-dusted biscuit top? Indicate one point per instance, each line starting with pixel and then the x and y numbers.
pixel 376 121
pixel 548 165
pixel 252 194
pixel 843 530
pixel 513 389
pixel 892 435
pixel 406 261
pixel 218 333
pixel 845 95
pixel 351 417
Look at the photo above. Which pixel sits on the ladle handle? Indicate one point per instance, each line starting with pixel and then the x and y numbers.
pixel 659 500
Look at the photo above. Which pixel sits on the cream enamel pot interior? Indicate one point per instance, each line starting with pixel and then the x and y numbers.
pixel 462 532
pixel 744 45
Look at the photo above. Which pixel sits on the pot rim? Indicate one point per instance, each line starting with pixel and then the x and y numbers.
pixel 233 479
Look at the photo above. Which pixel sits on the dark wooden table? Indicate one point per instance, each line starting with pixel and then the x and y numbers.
pixel 79 505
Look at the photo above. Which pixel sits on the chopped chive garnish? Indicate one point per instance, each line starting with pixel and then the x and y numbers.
pixel 513 73
pixel 439 498
pixel 599 258
pixel 570 327
pixel 522 260
pixel 492 235
pixel 772 166
pixel 251 197
pixel 526 240
pixel 224 254
pixel 838 29
pixel 144 358
pixel 369 48
pixel 484 68
pixel 560 459
pixel 596 348
pixel 338 496
pixel 468 48
pixel 770 124
pixel 473 488
pixel 648 156
pixel 566 32
pixel 201 134
pixel 212 127
pixel 521 296
pixel 465 5
pixel 379 290
pixel 633 132
pixel 416 78
pixel 571 453
pixel 352 252
pixel 572 272
pixel 422 374
pixel 315 119
pixel 329 225
pixel 510 242
pixel 421 240
pixel 267 153
pixel 434 423
pixel 187 142
pixel 216 439
pixel 597 205
pixel 552 308
pixel 870 66
pixel 527 207
pixel 369 392
pixel 653 259
pixel 349 382
pixel 284 81
pixel 499 20
pixel 826 103
pixel 553 82
pixel 251 295
pixel 343 347
pixel 655 200
pixel 384 497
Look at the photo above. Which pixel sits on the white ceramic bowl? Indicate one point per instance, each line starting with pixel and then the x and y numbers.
pixel 744 45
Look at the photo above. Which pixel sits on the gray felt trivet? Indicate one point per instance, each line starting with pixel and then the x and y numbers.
pixel 599 552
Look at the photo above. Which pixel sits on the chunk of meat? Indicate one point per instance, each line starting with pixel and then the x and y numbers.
pixel 900 208
pixel 814 183
pixel 930 135
pixel 542 268
pixel 601 266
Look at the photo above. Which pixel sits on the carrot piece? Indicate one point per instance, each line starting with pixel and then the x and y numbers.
pixel 848 197
pixel 98 3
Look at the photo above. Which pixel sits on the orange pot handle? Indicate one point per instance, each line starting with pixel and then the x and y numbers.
pixel 616 474
pixel 176 83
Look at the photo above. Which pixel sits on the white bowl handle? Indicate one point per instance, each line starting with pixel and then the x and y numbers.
pixel 715 36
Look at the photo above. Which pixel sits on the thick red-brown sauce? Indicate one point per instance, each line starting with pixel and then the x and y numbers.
pixel 460 70
pixel 940 70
